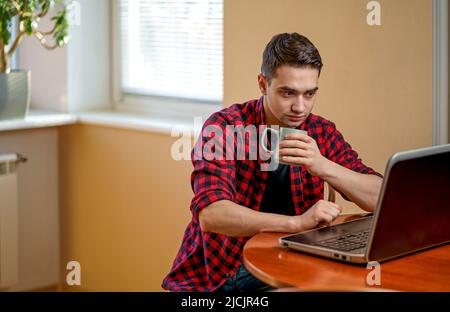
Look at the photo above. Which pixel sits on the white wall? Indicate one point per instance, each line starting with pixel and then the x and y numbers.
pixel 74 78
pixel 39 250
pixel 89 58
pixel 48 75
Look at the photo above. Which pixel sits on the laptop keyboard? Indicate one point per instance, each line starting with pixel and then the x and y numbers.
pixel 347 242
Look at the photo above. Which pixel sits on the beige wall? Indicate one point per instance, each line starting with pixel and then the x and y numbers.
pixel 125 203
pixel 124 206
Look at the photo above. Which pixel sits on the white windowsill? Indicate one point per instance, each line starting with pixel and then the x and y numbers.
pixel 38 119
pixel 122 120
pixel 132 121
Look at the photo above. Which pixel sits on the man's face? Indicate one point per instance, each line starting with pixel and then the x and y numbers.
pixel 290 97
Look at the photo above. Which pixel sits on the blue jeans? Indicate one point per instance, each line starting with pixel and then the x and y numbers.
pixel 243 281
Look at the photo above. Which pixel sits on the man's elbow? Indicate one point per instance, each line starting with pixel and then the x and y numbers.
pixel 203 219
pixel 206 217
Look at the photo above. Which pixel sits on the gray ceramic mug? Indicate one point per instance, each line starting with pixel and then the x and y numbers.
pixel 280 135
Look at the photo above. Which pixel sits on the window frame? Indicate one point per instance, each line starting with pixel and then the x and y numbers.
pixel 158 106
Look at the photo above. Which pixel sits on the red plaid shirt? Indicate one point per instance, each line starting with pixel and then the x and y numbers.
pixel 205 260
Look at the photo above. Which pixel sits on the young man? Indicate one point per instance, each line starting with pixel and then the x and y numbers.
pixel 234 199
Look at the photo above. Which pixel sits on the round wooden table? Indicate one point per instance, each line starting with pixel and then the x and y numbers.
pixel 292 270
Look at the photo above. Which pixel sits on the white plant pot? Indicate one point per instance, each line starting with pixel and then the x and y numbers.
pixel 14 94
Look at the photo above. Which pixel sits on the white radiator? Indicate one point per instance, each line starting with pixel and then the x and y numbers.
pixel 9 220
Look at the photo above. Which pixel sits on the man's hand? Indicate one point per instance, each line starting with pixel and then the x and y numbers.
pixel 322 211
pixel 300 149
pixel 362 189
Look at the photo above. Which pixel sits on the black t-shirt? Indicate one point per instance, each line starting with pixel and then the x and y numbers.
pixel 277 197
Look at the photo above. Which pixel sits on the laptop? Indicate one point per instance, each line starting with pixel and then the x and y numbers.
pixel 412 213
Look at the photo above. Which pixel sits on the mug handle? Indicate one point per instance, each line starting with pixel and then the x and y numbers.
pixel 264 136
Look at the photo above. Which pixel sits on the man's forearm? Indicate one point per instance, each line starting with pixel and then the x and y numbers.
pixel 362 189
pixel 229 218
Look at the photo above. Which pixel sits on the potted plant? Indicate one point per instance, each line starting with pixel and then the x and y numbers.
pixel 15 84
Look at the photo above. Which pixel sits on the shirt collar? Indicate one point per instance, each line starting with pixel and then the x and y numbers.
pixel 260 115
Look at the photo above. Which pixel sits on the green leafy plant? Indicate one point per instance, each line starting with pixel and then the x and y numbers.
pixel 29 14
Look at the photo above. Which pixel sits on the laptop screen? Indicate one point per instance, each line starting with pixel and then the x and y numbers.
pixel 415 207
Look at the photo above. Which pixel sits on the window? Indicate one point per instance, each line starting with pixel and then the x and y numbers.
pixel 170 49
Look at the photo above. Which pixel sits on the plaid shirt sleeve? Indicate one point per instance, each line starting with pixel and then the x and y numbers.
pixel 213 177
pixel 339 151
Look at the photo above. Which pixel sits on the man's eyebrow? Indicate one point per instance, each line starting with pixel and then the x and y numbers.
pixel 286 88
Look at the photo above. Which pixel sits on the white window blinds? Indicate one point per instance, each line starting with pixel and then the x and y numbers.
pixel 172 48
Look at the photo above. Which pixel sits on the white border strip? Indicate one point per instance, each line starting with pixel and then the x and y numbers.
pixel 440 72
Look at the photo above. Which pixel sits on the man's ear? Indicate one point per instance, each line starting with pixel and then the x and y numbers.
pixel 262 84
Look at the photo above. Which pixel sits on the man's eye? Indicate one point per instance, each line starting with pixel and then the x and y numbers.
pixel 287 93
pixel 310 94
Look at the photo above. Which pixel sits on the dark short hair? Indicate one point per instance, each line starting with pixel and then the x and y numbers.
pixel 290 49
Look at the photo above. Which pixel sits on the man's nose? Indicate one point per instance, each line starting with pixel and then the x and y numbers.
pixel 299 105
